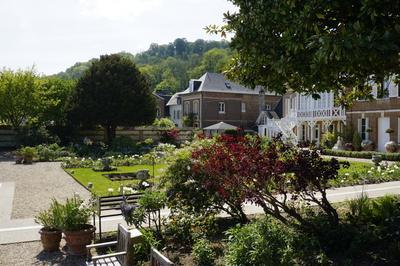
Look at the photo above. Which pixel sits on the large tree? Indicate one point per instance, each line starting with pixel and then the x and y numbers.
pixel 18 102
pixel 113 93
pixel 316 45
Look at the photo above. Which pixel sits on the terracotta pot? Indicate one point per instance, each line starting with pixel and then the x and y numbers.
pixel 28 159
pixel 77 240
pixel 50 239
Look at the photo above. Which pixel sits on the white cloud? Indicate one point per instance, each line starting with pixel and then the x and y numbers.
pixel 118 9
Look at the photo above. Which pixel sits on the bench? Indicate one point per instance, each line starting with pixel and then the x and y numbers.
pixel 110 206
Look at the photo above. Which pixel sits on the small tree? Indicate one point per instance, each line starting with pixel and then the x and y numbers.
pixel 18 102
pixel 113 93
pixel 234 170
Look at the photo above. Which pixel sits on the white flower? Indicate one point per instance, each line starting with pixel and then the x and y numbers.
pixel 110 190
pixel 379 169
pixel 372 168
pixel 346 174
pixel 188 167
pixel 395 166
pixel 369 172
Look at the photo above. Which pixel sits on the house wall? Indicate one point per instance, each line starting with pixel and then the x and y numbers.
pixel 160 105
pixel 373 110
pixel 175 112
pixel 209 107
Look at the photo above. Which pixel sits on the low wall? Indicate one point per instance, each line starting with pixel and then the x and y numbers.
pixel 138 134
pixel 8 136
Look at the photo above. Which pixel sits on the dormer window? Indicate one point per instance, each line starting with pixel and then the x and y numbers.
pixel 179 100
pixel 383 89
pixel 228 85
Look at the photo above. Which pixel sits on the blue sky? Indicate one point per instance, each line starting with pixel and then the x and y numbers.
pixel 54 34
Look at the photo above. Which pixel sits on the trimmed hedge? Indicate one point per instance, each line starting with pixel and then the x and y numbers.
pixel 362 154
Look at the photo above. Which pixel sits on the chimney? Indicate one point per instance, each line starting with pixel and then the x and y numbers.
pixel 261 100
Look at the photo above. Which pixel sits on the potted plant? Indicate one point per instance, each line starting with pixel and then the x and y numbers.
pixel 28 153
pixel 76 228
pixel 18 157
pixel 390 146
pixel 51 220
pixel 367 144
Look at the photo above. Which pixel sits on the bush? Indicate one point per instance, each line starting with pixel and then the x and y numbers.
pixel 362 154
pixel 31 136
pixel 123 144
pixel 164 123
pixel 52 152
pixel 356 141
pixel 264 242
pixel 203 252
pixel 329 140
pixel 170 136
pixel 141 250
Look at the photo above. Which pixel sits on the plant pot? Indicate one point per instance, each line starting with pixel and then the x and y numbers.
pixel 50 239
pixel 77 240
pixel 391 146
pixel 19 159
pixel 28 159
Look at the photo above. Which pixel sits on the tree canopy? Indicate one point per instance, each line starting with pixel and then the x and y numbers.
pixel 314 46
pixel 113 93
pixel 18 103
pixel 170 65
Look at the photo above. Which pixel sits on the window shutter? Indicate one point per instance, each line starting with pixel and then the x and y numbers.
pixel 366 128
pixel 359 126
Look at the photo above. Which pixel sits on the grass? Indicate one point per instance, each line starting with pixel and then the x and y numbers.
pixel 101 184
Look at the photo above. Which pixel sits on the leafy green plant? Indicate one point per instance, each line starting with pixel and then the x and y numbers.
pixel 265 242
pixel 123 144
pixel 328 140
pixel 52 218
pixel 203 252
pixel 356 141
pixel 75 213
pixel 164 123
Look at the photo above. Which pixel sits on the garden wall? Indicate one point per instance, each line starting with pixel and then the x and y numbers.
pixel 138 134
pixel 8 138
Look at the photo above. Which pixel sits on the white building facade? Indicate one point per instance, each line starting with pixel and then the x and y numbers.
pixel 303 118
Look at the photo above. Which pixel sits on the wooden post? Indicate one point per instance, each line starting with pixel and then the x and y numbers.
pixel 136 238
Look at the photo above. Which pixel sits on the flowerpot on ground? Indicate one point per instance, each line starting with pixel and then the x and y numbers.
pixel 77 240
pixel 391 146
pixel 367 145
pixel 50 239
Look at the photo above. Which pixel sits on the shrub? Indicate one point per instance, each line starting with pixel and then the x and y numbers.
pixel 164 123
pixel 203 253
pixel 362 154
pixel 356 141
pixel 264 242
pixel 123 144
pixel 329 140
pixel 170 136
pixel 141 250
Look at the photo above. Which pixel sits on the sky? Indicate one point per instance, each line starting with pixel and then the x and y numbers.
pixel 52 35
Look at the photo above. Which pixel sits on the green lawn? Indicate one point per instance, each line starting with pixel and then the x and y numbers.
pixel 101 184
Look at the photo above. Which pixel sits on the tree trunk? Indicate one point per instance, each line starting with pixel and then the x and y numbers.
pixel 109 133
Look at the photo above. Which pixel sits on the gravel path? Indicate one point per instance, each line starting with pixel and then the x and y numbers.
pixel 36 185
pixel 31 253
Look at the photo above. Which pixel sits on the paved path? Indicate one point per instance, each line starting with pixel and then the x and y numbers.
pixel 27 230
pixel 351 159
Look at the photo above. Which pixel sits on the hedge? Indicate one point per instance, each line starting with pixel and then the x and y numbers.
pixel 362 154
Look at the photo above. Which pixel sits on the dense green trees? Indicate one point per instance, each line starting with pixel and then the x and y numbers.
pixel 314 46
pixel 171 65
pixel 18 102
pixel 113 93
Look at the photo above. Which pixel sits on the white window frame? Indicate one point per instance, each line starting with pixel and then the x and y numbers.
pixel 221 107
pixel 243 107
